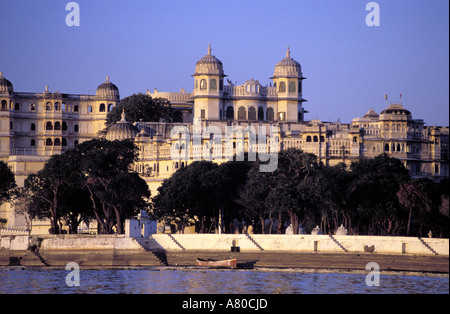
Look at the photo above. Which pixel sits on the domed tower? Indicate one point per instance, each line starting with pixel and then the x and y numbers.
pixel 6 87
pixel 287 78
pixel 208 90
pixel 121 130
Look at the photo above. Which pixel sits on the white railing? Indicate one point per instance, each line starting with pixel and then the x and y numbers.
pixel 13 231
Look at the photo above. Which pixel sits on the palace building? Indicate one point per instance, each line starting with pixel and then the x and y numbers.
pixel 34 126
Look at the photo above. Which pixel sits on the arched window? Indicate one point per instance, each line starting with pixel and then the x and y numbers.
pixel 213 84
pixel 242 114
pixel 203 84
pixel 110 106
pixel 315 139
pixel 282 88
pixel 56 106
pixel 64 106
pixel 260 114
pixel 75 143
pixel 398 147
pixel 4 105
pixel 89 109
pixel 48 106
pixel 308 139
pixel 75 128
pixel 270 114
pixel 49 142
pixel 102 107
pixel 57 142
pixel 252 113
pixel 49 126
pixel 230 113
pixel 33 142
pixel 57 126
pixel 64 142
pixel 292 87
pixel 33 127
pixel 386 147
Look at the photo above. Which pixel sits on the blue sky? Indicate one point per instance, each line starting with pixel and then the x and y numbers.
pixel 144 44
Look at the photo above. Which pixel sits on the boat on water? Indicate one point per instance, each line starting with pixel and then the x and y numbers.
pixel 228 263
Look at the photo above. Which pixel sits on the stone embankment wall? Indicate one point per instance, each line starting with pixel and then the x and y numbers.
pixel 244 243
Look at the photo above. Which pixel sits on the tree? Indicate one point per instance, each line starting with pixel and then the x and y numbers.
pixel 413 198
pixel 7 182
pixel 102 166
pixel 372 194
pixel 292 192
pixel 186 195
pixel 141 107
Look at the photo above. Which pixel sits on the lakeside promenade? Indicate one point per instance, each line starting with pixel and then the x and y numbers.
pixel 277 251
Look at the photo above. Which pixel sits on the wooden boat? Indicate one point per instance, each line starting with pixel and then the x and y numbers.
pixel 228 263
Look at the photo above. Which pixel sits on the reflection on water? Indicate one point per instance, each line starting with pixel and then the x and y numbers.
pixel 189 281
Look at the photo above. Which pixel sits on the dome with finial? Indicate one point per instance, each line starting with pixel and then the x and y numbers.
pixel 6 86
pixel 209 65
pixel 121 130
pixel 108 90
pixel 288 67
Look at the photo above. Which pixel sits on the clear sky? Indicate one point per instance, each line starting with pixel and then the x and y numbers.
pixel 144 44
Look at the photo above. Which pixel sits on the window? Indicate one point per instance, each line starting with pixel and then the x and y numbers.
pixel 75 108
pixel 436 169
pixel 282 116
pixel 308 139
pixel 57 142
pixel 63 107
pixel 48 106
pixel 230 113
pixel 75 143
pixel 33 142
pixel 64 126
pixel 386 147
pixel 242 113
pixel 11 125
pixel 90 109
pixel 221 84
pixel 4 105
pixel 75 128
pixel 213 84
pixel 252 113
pixel 57 106
pixel 64 142
pixel 202 114
pixel 110 106
pixel 17 106
pixel 49 126
pixel 102 108
pixel 260 114
pixel 315 139
pixel 33 107
pixel 322 139
pixel 33 127
pixel 282 88
pixel 57 126
pixel 48 142
pixel 292 87
pixel 270 114
pixel 203 84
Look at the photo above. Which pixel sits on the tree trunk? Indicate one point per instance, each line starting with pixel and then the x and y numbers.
pixel 409 221
pixel 294 222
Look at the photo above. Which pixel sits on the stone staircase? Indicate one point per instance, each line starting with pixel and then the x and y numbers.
pixel 427 246
pixel 151 246
pixel 338 244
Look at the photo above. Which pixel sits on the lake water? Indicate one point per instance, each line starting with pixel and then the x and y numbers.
pixel 194 281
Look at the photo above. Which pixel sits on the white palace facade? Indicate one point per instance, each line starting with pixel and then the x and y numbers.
pixel 34 126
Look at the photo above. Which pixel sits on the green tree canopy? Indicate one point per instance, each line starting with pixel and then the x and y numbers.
pixel 7 182
pixel 141 107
